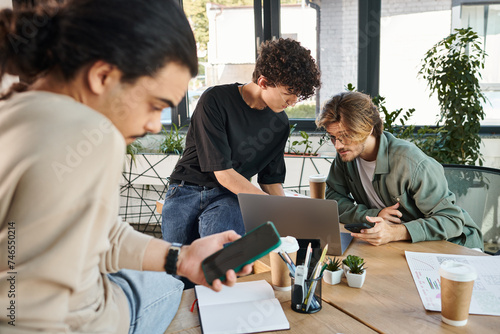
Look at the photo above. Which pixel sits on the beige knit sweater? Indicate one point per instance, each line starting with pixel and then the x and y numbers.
pixel 60 167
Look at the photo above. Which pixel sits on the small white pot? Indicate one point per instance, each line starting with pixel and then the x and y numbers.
pixel 355 280
pixel 332 277
pixel 345 269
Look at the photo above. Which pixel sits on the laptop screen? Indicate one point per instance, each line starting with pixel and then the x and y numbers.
pixel 300 217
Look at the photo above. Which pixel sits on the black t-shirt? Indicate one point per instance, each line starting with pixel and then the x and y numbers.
pixel 226 133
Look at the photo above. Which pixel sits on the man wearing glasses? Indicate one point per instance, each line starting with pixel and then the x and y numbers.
pixel 390 182
pixel 237 131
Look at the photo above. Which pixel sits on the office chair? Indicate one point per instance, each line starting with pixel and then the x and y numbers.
pixel 478 192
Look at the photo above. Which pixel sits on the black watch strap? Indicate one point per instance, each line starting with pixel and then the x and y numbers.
pixel 172 257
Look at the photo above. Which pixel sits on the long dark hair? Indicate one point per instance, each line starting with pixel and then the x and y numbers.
pixel 139 37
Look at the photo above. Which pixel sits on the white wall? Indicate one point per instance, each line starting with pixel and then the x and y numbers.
pixel 403 43
pixel 231 35
pixel 5 3
pixel 300 20
pixel 339 46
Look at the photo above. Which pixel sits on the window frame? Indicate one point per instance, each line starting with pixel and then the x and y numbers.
pixel 456 5
pixel 180 113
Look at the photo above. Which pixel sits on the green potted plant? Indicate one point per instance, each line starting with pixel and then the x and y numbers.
pixel 307 144
pixel 356 272
pixel 173 141
pixel 333 271
pixel 133 149
pixel 452 69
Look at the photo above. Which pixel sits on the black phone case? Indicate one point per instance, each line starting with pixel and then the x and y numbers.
pixel 357 227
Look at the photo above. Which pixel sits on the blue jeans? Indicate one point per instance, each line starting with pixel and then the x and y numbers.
pixel 191 212
pixel 153 298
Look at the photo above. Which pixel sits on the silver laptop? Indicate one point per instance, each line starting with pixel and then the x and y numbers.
pixel 300 217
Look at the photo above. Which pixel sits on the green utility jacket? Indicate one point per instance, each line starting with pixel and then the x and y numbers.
pixel 405 175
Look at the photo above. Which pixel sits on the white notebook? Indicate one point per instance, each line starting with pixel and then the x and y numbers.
pixel 246 307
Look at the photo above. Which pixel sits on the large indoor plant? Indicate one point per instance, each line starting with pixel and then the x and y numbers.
pixel 452 70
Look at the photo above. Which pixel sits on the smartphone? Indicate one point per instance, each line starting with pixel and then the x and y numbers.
pixel 249 248
pixel 357 227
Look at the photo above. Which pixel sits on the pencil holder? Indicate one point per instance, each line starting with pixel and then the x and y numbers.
pixel 307 299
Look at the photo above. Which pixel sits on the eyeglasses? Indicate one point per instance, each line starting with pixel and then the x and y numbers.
pixel 343 139
pixel 286 102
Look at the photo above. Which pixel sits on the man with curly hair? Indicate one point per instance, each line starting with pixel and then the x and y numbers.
pixel 237 131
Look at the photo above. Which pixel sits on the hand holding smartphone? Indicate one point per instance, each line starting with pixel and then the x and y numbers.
pixel 249 248
pixel 357 227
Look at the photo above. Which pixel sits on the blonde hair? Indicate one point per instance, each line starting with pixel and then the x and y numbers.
pixel 355 112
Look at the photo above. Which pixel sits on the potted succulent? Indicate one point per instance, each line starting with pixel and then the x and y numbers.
pixel 333 272
pixel 357 272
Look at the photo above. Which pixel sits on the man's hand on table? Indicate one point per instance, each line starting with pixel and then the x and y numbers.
pixel 191 256
pixel 383 232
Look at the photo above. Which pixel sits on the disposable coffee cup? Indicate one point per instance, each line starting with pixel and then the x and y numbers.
pixel 280 274
pixel 317 186
pixel 457 280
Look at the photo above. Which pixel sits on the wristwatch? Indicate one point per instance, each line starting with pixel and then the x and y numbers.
pixel 172 257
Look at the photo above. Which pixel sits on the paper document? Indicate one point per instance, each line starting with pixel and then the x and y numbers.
pixel 247 307
pixel 424 268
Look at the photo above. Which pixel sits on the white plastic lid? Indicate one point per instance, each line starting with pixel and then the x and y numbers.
pixel 317 178
pixel 288 244
pixel 457 271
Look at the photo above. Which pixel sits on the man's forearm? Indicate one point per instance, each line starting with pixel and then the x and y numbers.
pixel 155 255
pixel 273 189
pixel 400 232
pixel 236 183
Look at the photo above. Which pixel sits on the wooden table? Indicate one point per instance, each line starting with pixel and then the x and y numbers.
pixel 328 320
pixel 388 302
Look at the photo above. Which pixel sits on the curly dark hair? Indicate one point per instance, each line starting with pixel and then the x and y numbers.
pixel 285 62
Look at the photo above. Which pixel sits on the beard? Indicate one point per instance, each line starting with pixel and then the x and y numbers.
pixel 348 154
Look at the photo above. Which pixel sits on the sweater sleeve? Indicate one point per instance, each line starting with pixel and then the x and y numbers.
pixel 441 218
pixel 127 248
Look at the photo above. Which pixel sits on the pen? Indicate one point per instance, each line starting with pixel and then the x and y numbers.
pixel 289 259
pixel 282 257
pixel 323 268
pixel 321 260
pixel 290 267
pixel 307 260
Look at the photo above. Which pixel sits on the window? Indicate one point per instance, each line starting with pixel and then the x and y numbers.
pixel 485 20
pixel 298 22
pixel 225 35
pixel 406 36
